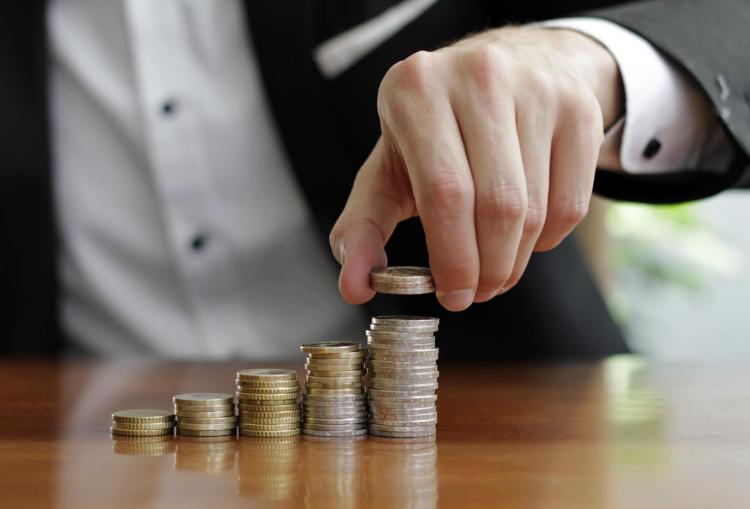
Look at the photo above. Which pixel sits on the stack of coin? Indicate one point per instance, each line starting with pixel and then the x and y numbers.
pixel 269 402
pixel 335 401
pixel 201 414
pixel 403 374
pixel 142 423
pixel 402 280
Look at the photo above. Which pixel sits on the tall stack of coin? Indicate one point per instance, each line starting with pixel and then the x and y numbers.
pixel 403 376
pixel 269 402
pixel 142 423
pixel 201 414
pixel 335 402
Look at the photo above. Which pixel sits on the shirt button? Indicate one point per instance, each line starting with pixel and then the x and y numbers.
pixel 168 107
pixel 198 242
pixel 652 148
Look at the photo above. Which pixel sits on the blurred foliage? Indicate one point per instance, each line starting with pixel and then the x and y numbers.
pixel 664 247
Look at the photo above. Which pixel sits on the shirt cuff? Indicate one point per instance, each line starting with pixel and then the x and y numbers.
pixel 669 123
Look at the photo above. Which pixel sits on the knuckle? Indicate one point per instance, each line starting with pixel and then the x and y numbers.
pixel 569 212
pixel 486 66
pixel 502 203
pixel 414 72
pixel 535 217
pixel 447 191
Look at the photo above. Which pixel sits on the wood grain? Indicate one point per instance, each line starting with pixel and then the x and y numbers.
pixel 622 433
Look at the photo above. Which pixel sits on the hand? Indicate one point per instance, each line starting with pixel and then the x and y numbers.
pixel 493 143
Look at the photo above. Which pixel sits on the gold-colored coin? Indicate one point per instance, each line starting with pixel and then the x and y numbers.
pixel 354 356
pixel 334 380
pixel 206 427
pixel 206 433
pixel 140 432
pixel 270 383
pixel 248 408
pixel 272 415
pixel 336 387
pixel 270 420
pixel 203 399
pixel 334 392
pixel 266 374
pixel 268 434
pixel 267 390
pixel 309 366
pixel 329 347
pixel 337 374
pixel 269 427
pixel 284 396
pixel 143 415
pixel 204 408
pixel 205 415
pixel 143 425
pixel 209 420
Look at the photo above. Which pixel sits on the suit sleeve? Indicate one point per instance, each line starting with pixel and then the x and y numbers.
pixel 709 40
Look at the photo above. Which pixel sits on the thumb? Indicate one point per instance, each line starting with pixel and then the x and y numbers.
pixel 379 200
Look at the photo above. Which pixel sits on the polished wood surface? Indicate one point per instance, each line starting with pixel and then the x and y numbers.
pixel 622 433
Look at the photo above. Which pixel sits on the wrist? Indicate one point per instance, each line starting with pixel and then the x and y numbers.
pixel 598 68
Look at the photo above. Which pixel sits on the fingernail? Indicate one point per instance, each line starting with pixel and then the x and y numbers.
pixel 483 296
pixel 456 301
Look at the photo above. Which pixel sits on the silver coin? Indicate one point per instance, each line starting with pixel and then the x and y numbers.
pixel 400 348
pixel 421 355
pixel 358 417
pixel 323 433
pixel 323 398
pixel 335 373
pixel 406 320
pixel 403 429
pixel 329 347
pixel 379 383
pixel 417 365
pixel 397 434
pixel 381 334
pixel 399 393
pixel 397 408
pixel 418 328
pixel 341 421
pixel 405 378
pixel 390 423
pixel 355 355
pixel 404 399
pixel 396 417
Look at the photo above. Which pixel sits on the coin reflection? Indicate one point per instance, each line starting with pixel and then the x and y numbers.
pixel 402 473
pixel 211 455
pixel 143 446
pixel 267 468
pixel 333 471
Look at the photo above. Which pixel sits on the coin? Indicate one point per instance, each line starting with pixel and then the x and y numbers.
pixel 270 420
pixel 203 415
pixel 411 422
pixel 206 433
pixel 398 348
pixel 329 347
pixel 388 384
pixel 310 365
pixel 399 336
pixel 402 280
pixel 143 425
pixel 324 398
pixel 358 372
pixel 268 408
pixel 322 433
pixel 203 399
pixel 267 390
pixel 145 415
pixel 335 421
pixel 333 386
pixel 283 396
pixel 402 429
pixel 257 433
pixel 207 427
pixel 141 432
pixel 354 355
pixel 273 415
pixel 423 355
pixel 398 434
pixel 418 328
pixel 261 383
pixel 204 420
pixel 204 408
pixel 335 361
pixel 266 374
pixel 312 391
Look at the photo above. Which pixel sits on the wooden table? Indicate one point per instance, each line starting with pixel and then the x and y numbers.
pixel 618 434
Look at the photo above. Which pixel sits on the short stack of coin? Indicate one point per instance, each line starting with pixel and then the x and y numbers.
pixel 402 280
pixel 335 401
pixel 201 414
pixel 269 402
pixel 403 375
pixel 142 423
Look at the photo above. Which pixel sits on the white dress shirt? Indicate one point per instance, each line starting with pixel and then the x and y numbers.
pixel 183 232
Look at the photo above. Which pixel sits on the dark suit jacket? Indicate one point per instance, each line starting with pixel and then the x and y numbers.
pixel 329 126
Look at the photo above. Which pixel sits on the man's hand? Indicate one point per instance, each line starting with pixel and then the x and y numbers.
pixel 493 143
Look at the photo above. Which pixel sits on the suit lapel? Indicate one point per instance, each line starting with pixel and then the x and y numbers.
pixel 283 36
